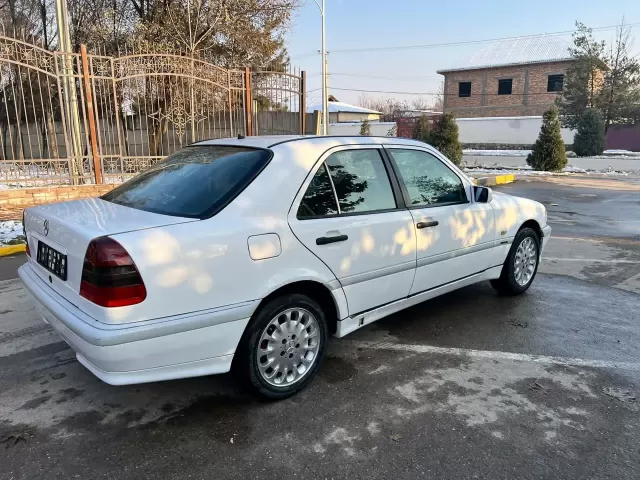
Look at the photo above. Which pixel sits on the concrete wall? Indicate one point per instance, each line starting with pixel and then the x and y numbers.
pixel 504 130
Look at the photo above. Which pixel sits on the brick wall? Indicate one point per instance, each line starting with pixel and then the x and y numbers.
pixel 13 201
pixel 529 95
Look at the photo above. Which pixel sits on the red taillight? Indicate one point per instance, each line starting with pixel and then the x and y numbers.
pixel 109 276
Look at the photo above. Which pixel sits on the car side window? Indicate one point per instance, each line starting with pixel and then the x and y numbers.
pixel 319 199
pixel 361 181
pixel 428 180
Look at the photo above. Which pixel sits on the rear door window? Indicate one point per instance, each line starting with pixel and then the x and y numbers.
pixel 361 181
pixel 319 199
pixel 195 182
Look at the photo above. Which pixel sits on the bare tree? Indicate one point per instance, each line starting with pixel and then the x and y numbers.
pixel 620 96
pixel 438 101
pixel 387 106
pixel 420 103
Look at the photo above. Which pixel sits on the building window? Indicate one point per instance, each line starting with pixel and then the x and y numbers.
pixel 464 89
pixel 555 83
pixel 505 86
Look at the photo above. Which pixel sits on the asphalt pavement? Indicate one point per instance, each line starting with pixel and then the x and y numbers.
pixel 468 385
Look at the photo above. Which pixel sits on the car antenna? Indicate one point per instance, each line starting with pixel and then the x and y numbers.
pixel 241 137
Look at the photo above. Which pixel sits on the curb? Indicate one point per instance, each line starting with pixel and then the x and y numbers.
pixel 12 249
pixel 495 180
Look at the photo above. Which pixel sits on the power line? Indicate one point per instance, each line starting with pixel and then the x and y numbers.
pixel 378 77
pixel 466 42
pixel 383 91
pixel 437 93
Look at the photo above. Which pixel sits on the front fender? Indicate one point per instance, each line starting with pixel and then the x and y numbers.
pixel 511 212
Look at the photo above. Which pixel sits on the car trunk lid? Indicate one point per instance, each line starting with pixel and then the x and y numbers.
pixel 69 227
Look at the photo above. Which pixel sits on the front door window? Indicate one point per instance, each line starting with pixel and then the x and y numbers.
pixel 428 181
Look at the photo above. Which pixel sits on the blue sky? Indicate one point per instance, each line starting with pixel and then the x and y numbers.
pixel 352 24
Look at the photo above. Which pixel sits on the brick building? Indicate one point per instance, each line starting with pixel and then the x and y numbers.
pixel 512 78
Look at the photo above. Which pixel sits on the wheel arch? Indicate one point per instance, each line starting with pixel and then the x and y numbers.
pixel 535 226
pixel 316 290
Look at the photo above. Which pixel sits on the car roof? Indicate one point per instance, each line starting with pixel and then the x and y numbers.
pixel 269 141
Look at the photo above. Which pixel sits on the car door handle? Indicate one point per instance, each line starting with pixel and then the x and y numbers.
pixel 327 240
pixel 427 224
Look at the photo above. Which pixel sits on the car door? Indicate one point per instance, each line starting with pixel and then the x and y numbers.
pixel 350 214
pixel 454 234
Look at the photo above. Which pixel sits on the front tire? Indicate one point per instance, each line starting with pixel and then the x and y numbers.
pixel 521 265
pixel 283 346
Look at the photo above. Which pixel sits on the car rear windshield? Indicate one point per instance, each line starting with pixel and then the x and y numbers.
pixel 195 182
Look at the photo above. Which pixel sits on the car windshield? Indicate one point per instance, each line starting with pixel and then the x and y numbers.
pixel 195 182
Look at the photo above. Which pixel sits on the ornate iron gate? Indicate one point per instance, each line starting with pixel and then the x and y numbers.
pixel 84 118
pixel 42 139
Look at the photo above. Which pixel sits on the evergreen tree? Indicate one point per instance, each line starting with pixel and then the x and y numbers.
pixel 444 137
pixel 584 78
pixel 589 139
pixel 365 128
pixel 422 130
pixel 548 152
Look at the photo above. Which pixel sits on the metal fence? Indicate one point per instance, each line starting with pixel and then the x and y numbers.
pixel 84 118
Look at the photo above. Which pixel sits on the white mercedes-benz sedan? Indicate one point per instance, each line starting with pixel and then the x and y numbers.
pixel 249 253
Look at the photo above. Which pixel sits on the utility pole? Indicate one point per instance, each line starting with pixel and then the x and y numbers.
pixel 325 92
pixel 70 100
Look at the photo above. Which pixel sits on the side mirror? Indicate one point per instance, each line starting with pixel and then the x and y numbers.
pixel 482 194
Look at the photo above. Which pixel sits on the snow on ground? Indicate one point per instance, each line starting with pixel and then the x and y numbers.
pixel 524 153
pixel 526 170
pixel 624 153
pixel 496 153
pixel 11 232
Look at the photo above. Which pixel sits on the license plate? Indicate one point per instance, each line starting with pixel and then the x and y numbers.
pixel 52 260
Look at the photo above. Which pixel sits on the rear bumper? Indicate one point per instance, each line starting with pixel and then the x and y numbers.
pixel 167 348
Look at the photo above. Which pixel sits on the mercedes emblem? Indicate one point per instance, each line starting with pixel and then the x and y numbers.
pixel 46 228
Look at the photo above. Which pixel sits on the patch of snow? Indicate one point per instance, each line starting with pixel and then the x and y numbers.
pixel 627 153
pixel 10 230
pixel 496 153
pixel 615 157
pixel 27 183
pixel 610 154
pixel 527 170
pixel 572 169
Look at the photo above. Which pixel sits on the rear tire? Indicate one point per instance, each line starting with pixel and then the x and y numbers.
pixel 283 346
pixel 521 265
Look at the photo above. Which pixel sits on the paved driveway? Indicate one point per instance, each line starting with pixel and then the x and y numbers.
pixel 469 385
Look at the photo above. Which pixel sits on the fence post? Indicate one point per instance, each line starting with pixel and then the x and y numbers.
pixel 248 101
pixel 317 122
pixel 93 138
pixel 302 107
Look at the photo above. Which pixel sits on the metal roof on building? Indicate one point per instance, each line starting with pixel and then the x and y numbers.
pixel 516 51
pixel 341 107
